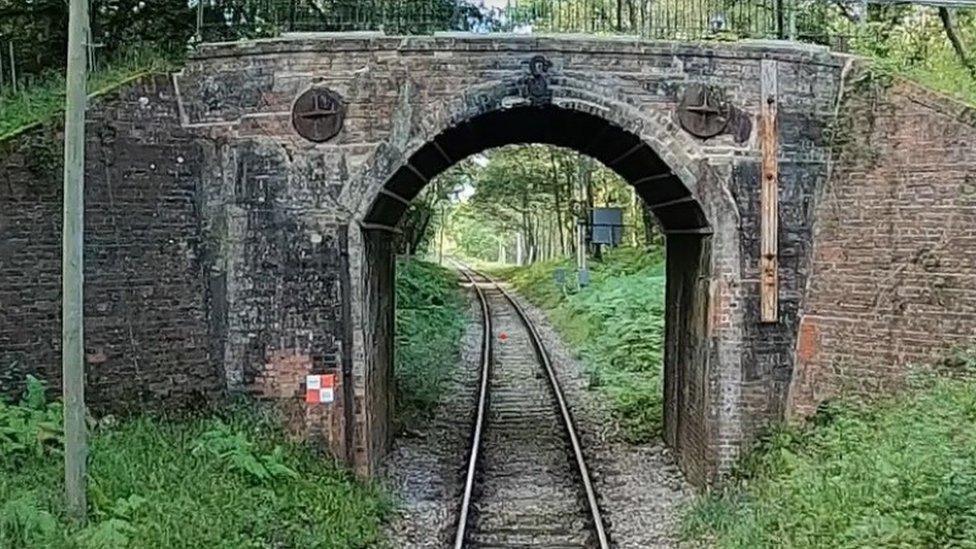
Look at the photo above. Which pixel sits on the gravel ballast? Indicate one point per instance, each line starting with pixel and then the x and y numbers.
pixel 640 487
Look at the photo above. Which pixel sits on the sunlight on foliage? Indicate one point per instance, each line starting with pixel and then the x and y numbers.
pixel 897 473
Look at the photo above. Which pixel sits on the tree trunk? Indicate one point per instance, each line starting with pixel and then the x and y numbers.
pixel 588 189
pixel 956 41
pixel 557 199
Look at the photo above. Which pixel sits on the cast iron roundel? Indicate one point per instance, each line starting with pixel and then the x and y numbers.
pixel 318 114
pixel 703 111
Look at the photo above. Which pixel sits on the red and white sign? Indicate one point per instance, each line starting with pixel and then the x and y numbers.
pixel 320 388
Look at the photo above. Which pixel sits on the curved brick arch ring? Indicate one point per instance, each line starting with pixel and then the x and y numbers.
pixel 645 148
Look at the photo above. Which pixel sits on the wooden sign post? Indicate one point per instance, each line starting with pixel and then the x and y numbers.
pixel 769 197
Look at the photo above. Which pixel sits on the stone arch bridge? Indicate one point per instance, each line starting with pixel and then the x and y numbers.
pixel 819 217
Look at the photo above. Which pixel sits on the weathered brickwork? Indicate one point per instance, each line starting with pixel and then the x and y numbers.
pixel 228 253
pixel 271 195
pixel 147 329
pixel 894 264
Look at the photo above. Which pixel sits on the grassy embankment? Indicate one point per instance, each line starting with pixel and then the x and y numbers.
pixel 616 325
pixel 227 480
pixel 900 472
pixel 44 99
pixel 430 321
pixel 230 480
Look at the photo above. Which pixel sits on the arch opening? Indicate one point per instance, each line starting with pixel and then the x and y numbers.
pixel 678 212
pixel 628 155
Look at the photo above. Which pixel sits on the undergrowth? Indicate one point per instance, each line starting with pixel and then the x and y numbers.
pixel 616 324
pixel 230 480
pixel 44 98
pixel 900 472
pixel 429 323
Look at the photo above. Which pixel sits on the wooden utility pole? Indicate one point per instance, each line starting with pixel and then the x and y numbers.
pixel 72 266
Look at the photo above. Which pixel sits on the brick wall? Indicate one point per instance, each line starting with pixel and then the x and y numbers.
pixel 147 328
pixel 894 258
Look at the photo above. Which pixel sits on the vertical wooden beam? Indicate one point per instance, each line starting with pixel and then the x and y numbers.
pixel 348 392
pixel 72 269
pixel 199 35
pixel 13 67
pixel 769 197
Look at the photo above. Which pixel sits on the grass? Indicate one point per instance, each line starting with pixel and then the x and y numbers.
pixel 615 324
pixel 230 480
pixel 956 83
pixel 430 320
pixel 44 98
pixel 896 473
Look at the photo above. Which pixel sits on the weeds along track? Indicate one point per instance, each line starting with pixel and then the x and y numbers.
pixel 527 483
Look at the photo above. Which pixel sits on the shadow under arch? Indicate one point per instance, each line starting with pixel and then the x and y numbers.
pixel 678 210
pixel 625 153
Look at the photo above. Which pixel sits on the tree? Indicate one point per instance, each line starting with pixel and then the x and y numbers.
pixel 535 193
pixel 952 34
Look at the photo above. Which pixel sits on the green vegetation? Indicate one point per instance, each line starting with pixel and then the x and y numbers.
pixel 45 98
pixel 231 480
pixel 913 44
pixel 430 320
pixel 896 473
pixel 535 195
pixel 616 324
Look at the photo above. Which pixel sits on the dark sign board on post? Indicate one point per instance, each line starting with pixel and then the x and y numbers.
pixel 608 224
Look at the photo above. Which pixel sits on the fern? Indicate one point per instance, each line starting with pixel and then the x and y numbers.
pixel 243 456
pixel 109 534
pixel 22 520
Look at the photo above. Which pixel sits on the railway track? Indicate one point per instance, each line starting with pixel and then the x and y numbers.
pixel 527 484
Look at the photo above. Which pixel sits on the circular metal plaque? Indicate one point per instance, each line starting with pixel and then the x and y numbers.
pixel 318 114
pixel 703 111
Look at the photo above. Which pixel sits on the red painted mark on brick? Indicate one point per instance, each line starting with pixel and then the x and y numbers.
pixel 284 374
pixel 808 344
pixel 718 305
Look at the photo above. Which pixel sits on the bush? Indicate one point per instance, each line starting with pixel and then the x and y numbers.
pixel 38 30
pixel 896 473
pixel 227 481
pixel 616 324
pixel 45 99
pixel 430 320
pixel 31 429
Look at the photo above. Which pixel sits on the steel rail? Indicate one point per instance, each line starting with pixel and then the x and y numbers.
pixel 486 359
pixel 568 423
